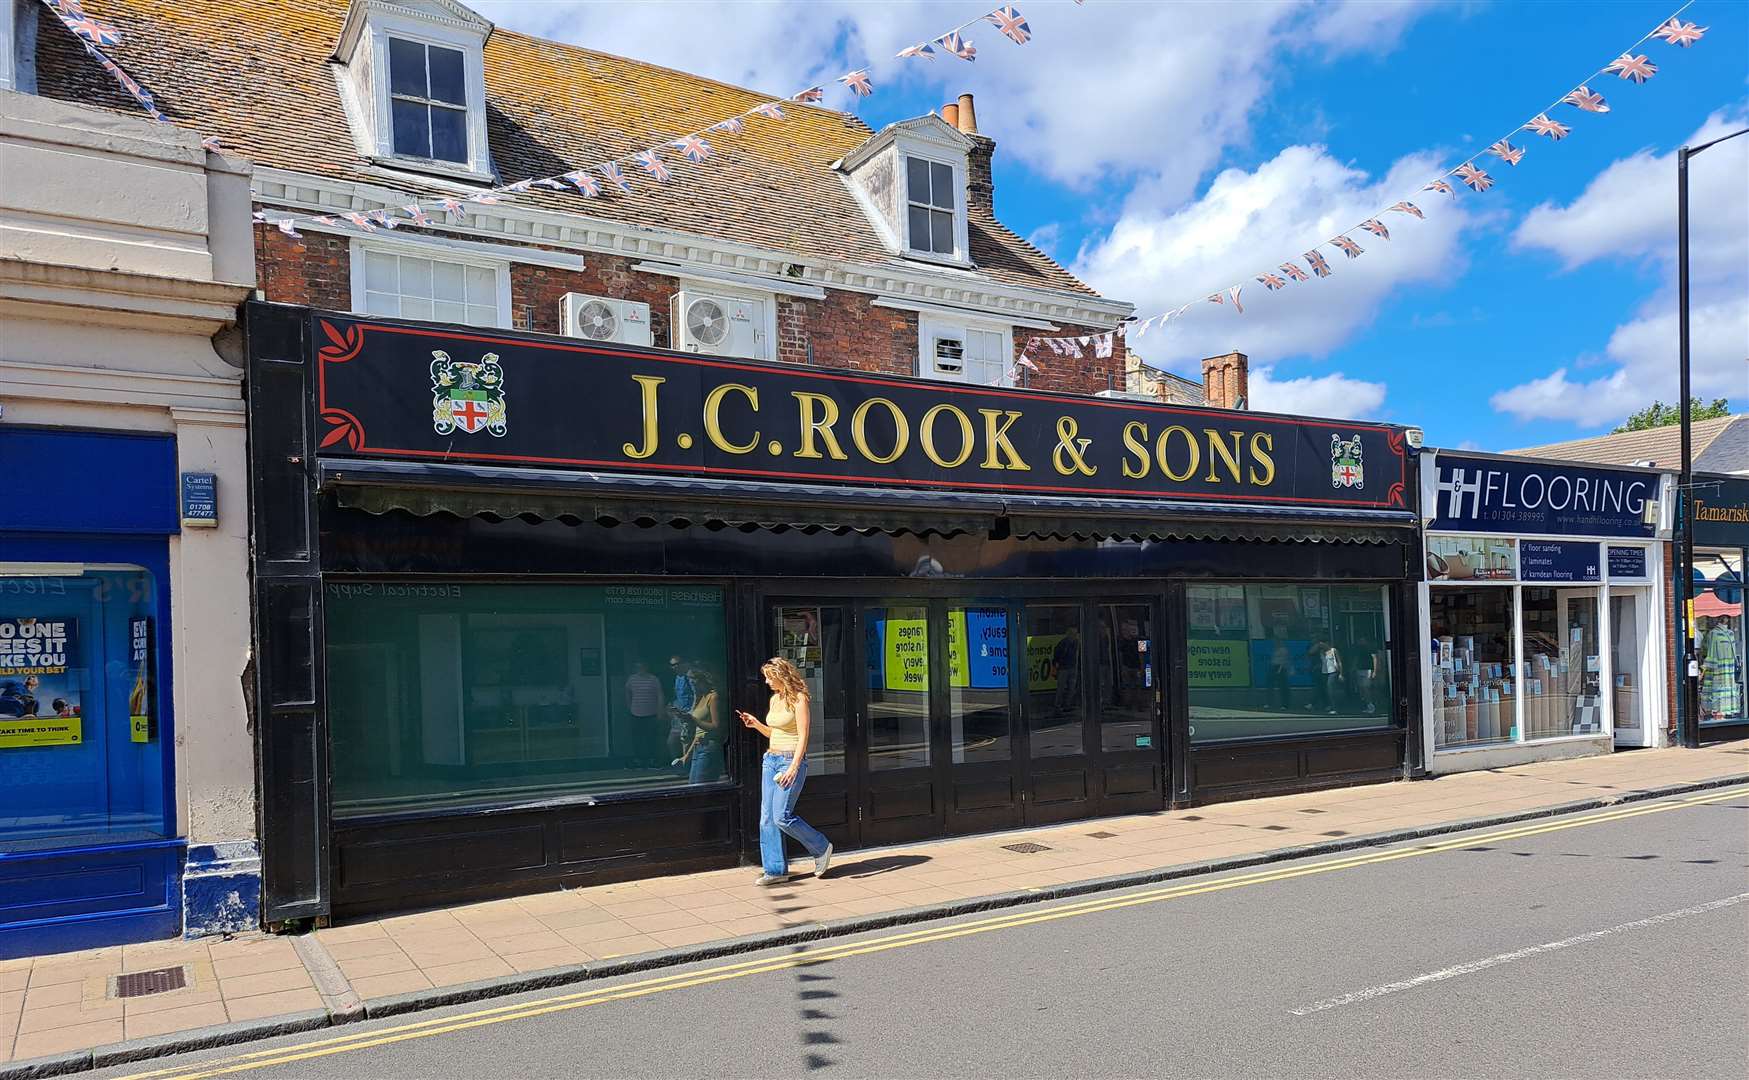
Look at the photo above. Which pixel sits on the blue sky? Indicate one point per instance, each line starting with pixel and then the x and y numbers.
pixel 1164 151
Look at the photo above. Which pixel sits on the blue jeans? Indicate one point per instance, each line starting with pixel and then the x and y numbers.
pixel 777 815
pixel 706 764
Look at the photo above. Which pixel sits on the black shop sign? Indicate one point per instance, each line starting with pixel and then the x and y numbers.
pixel 397 391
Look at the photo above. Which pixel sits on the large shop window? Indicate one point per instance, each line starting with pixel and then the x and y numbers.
pixel 1719 639
pixel 1473 702
pixel 81 758
pixel 469 695
pixel 1288 660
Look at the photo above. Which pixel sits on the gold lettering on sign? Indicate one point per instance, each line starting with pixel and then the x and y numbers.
pixel 996 441
pixel 859 430
pixel 1164 446
pixel 821 425
pixel 1218 449
pixel 713 406
pixel 1262 444
pixel 1135 441
pixel 647 385
pixel 926 436
pixel 1070 455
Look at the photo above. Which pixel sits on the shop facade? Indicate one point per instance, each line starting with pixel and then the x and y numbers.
pixel 1543 609
pixel 127 806
pixel 511 588
pixel 1720 519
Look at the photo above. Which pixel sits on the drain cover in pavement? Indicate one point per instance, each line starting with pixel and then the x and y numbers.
pixel 140 983
pixel 1026 848
pixel 1102 835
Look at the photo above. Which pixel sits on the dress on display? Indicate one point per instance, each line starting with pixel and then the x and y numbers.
pixel 1721 674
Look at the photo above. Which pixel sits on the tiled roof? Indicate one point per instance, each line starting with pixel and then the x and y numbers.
pixel 1660 445
pixel 256 74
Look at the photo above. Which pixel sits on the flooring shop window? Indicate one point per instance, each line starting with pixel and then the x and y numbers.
pixel 467 695
pixel 1288 659
pixel 428 102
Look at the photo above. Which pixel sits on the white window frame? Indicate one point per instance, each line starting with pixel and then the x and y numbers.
pixel 932 327
pixel 436 253
pixel 367 102
pixel 389 97
pixel 958 183
pixel 714 287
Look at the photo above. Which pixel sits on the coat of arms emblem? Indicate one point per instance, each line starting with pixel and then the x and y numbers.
pixel 467 397
pixel 1346 467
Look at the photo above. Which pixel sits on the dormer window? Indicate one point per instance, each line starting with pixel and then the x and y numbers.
pixel 933 196
pixel 412 79
pixel 429 101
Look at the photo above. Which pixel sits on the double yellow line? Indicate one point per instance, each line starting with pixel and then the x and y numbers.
pixel 364 1040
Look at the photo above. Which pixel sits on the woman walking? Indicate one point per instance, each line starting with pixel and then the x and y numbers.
pixel 787 724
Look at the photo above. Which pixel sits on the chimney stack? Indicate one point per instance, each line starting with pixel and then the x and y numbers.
pixel 951 113
pixel 968 116
pixel 1226 381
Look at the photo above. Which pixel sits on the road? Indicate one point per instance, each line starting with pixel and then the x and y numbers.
pixel 1611 944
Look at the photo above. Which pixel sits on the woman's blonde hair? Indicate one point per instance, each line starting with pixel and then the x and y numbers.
pixel 786 679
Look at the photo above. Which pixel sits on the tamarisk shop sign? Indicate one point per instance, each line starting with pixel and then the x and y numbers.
pixel 388 390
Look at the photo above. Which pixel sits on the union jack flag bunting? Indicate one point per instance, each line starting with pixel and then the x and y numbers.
pixel 486 198
pixel 285 226
pixel 1142 327
pixel 1349 247
pixel 1293 271
pixel 1408 208
pixel 1102 345
pixel 1026 362
pixel 259 215
pixel 692 148
pixel 615 177
pixel 812 93
pixel 1271 282
pixel 1677 32
pixel 1637 68
pixel 126 81
pixel 1584 99
pixel 1508 153
pixel 519 187
pixel 416 214
pixel 87 27
pixel 1217 298
pixel 211 142
pixel 770 109
pixel 1377 228
pixel 926 50
pixel 361 221
pixel 1010 22
pixel 1315 260
pixel 324 219
pixel 552 182
pixel 1440 186
pixel 385 218
pixel 959 46
pixel 1542 125
pixel 455 207
pixel 1233 294
pixel 584 183
pixel 858 82
pixel 732 125
pixel 1474 178
pixel 652 163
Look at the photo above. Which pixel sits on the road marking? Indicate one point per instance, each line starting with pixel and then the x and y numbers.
pixel 822 954
pixel 1474 966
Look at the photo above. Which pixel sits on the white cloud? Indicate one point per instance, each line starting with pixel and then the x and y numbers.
pixel 1334 394
pixel 1101 90
pixel 1160 257
pixel 1628 213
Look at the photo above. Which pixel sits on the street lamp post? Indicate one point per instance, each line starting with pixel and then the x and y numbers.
pixel 1689 700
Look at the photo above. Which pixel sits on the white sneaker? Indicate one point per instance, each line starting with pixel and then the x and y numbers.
pixel 823 863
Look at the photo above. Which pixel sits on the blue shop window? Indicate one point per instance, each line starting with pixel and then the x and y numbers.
pixel 81 757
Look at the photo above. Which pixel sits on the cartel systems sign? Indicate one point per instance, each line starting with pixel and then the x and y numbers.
pixel 1500 495
pixel 388 390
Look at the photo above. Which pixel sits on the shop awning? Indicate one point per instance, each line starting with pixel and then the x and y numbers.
pixel 612 499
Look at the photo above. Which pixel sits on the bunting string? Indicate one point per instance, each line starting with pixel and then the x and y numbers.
pixel 1627 66
pixel 653 162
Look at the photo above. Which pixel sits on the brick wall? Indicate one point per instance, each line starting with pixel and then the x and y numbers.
pixel 844 330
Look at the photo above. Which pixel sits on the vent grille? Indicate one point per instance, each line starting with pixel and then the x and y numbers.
pixel 1025 848
pixel 141 983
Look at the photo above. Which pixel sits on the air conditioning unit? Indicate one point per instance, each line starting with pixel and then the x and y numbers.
pixel 719 325
pixel 602 318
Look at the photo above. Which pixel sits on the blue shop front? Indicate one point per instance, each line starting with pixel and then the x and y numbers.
pixel 89 848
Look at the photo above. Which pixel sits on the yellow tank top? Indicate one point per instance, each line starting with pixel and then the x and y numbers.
pixel 781 719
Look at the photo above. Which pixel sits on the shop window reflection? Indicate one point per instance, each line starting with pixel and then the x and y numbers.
pixel 462 695
pixel 898 686
pixel 1269 660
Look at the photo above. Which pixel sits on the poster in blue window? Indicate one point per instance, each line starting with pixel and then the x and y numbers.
pixel 40 679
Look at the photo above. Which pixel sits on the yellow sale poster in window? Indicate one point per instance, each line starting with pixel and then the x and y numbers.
pixel 39 685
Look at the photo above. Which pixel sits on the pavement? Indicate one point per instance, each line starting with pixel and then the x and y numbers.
pixel 59 1013
pixel 1600 944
